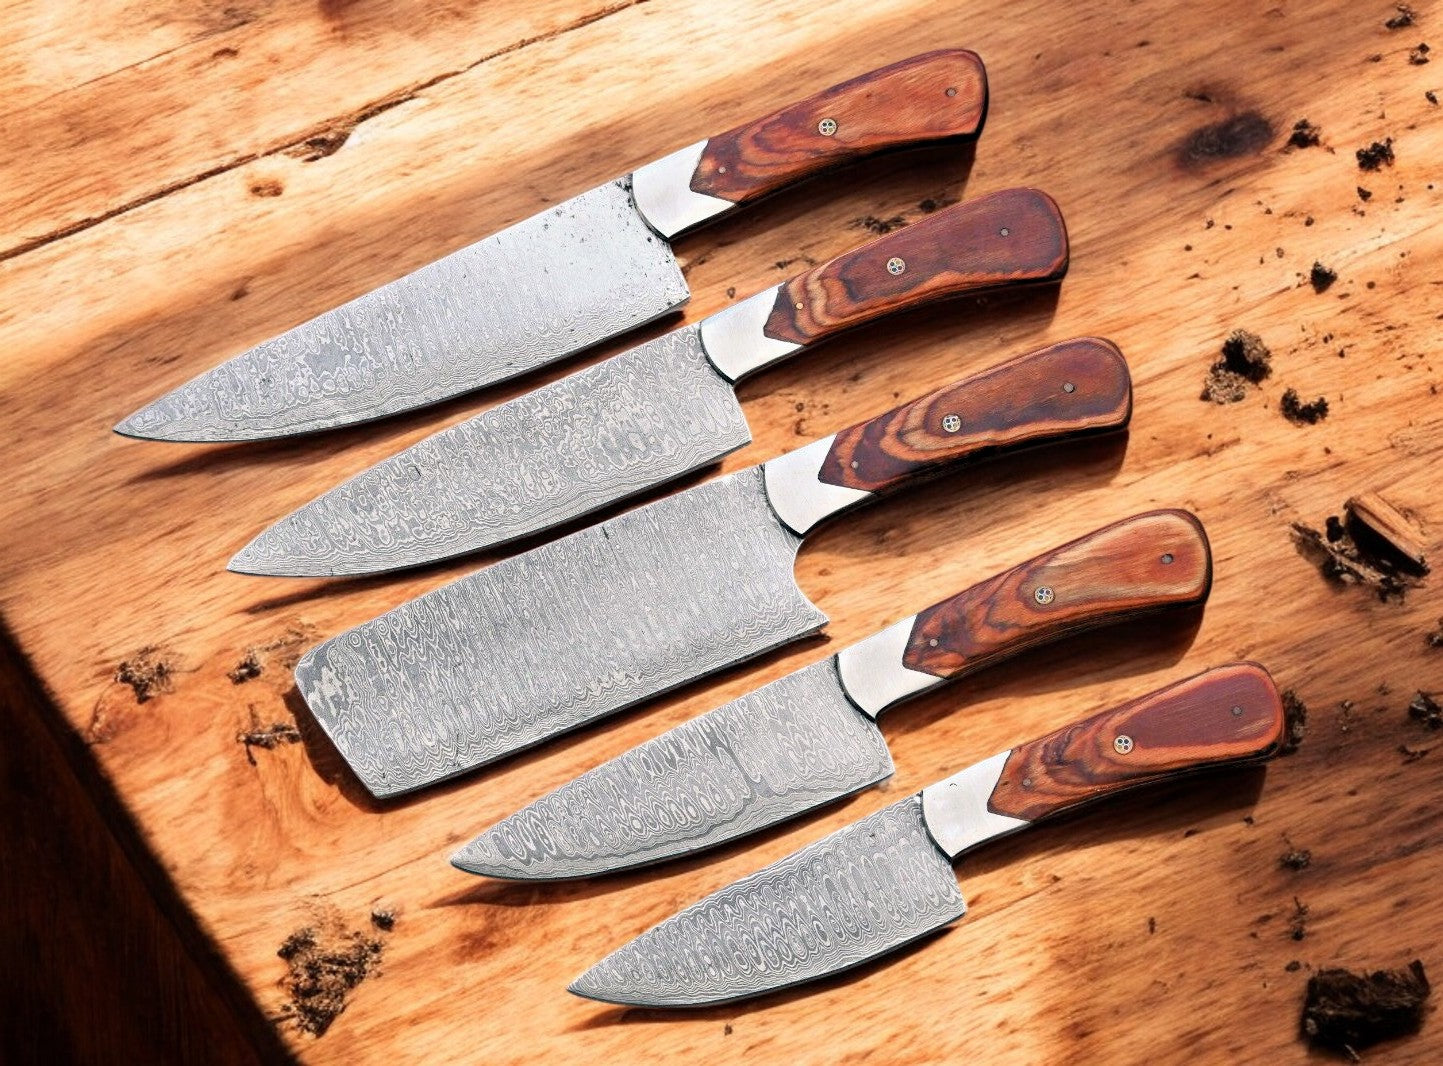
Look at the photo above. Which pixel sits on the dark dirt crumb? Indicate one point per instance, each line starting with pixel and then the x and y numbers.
pixel 727 1029
pixel 1151 926
pixel 1412 753
pixel 1435 638
pixel 1296 859
pixel 1364 194
pixel 1298 923
pixel 1403 18
pixel 873 224
pixel 384 918
pixel 1295 714
pixel 1245 360
pixel 248 668
pixel 1345 1011
pixel 1294 966
pixel 1300 413
pixel 266 187
pixel 1425 709
pixel 1376 155
pixel 935 203
pixel 1376 57
pixel 325 963
pixel 1305 135
pixel 1431 97
pixel 149 673
pixel 1419 55
pixel 731 292
pixel 1321 276
pixel 266 736
pixel 285 649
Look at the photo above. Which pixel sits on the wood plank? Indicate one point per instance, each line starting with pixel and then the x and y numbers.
pixel 1174 910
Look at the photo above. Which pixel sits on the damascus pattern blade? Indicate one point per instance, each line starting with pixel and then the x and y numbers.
pixel 559 636
pixel 639 419
pixel 765 757
pixel 866 889
pixel 540 290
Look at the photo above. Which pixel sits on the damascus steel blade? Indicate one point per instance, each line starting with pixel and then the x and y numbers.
pixel 600 435
pixel 538 291
pixel 566 633
pixel 865 890
pixel 765 757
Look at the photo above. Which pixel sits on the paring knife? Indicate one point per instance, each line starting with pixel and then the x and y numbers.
pixel 584 626
pixel 648 415
pixel 575 274
pixel 810 737
pixel 887 880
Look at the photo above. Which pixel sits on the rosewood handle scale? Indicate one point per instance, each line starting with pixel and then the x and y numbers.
pixel 1227 715
pixel 1074 388
pixel 1012 237
pixel 1144 563
pixel 932 97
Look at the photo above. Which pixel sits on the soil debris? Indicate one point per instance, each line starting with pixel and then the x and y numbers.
pixel 1346 1011
pixel 325 962
pixel 266 187
pixel 1305 135
pixel 1295 718
pixel 1435 638
pixel 285 650
pixel 1424 708
pixel 1419 55
pixel 1431 97
pixel 266 736
pixel 1403 17
pixel 384 918
pixel 879 226
pixel 149 672
pixel 1372 544
pixel 1412 753
pixel 1300 413
pixel 935 203
pixel 1245 361
pixel 1298 923
pixel 1296 859
pixel 1321 276
pixel 1364 194
pixel 1376 155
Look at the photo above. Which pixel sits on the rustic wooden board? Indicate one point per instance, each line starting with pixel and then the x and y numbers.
pixel 1159 929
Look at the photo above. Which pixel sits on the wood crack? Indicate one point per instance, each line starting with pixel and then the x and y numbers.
pixel 316 142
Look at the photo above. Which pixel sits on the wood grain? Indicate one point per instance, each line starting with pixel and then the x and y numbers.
pixel 1225 715
pixel 1149 123
pixel 1013 237
pixel 1144 563
pixel 938 96
pixel 1074 388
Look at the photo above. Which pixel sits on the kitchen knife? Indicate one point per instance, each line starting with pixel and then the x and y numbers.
pixel 575 274
pixel 648 415
pixel 811 736
pixel 545 641
pixel 884 881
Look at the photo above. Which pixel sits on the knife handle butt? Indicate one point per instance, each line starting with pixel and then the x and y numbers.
pixel 1226 715
pixel 1148 562
pixel 1012 237
pixel 932 97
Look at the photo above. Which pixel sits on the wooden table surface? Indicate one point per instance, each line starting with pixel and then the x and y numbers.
pixel 181 181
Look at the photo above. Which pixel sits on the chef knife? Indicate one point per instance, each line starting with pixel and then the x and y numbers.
pixel 648 415
pixel 884 881
pixel 584 270
pixel 811 736
pixel 581 627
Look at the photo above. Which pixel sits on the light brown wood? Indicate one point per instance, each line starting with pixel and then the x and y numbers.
pixel 1153 931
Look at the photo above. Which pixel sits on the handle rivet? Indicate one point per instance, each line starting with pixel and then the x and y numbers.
pixel 1043 594
pixel 951 90
pixel 1004 231
pixel 1237 712
pixel 896 265
pixel 855 464
pixel 1167 558
pixel 721 170
pixel 1027 782
pixel 827 127
pixel 932 643
pixel 1068 386
pixel 1123 744
pixel 951 423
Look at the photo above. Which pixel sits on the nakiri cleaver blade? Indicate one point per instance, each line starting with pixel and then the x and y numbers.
pixel 811 737
pixel 887 880
pixel 579 628
pixel 649 415
pixel 597 265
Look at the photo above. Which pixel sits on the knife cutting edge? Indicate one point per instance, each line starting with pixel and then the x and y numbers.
pixel 579 628
pixel 883 882
pixel 587 269
pixel 649 415
pixel 810 737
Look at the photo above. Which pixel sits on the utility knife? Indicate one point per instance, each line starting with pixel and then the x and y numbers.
pixel 811 737
pixel 648 415
pixel 887 880
pixel 584 270
pixel 584 626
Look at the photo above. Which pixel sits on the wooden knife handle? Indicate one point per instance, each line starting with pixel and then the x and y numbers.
pixel 1012 237
pixel 932 97
pixel 1230 714
pixel 1147 562
pixel 1073 388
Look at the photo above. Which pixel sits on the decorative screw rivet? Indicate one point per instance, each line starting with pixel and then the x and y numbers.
pixel 932 643
pixel 1004 231
pixel 1237 712
pixel 1068 386
pixel 721 170
pixel 827 127
pixel 855 464
pixel 896 265
pixel 951 423
pixel 1043 594
pixel 1167 558
pixel 951 90
pixel 1027 782
pixel 1123 744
